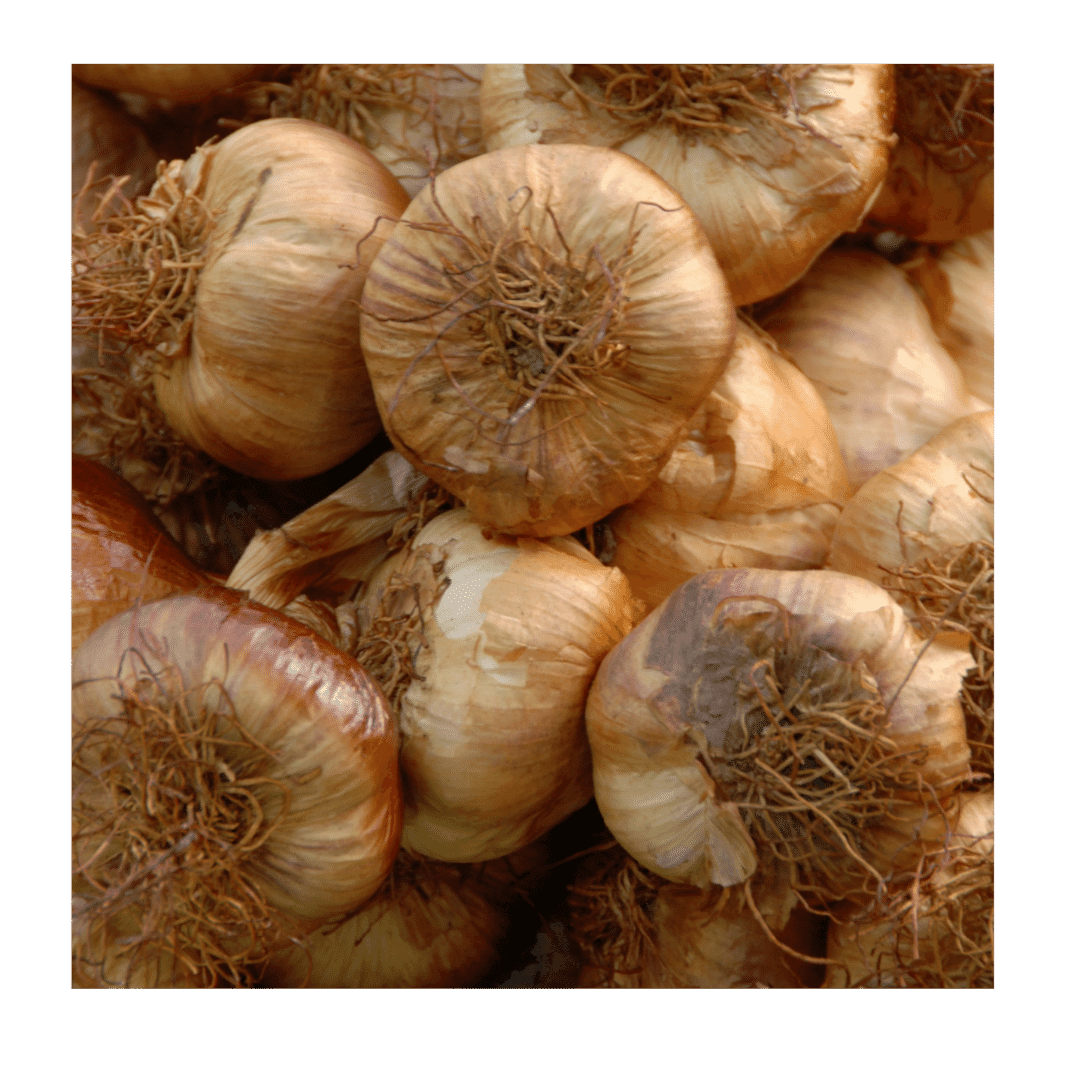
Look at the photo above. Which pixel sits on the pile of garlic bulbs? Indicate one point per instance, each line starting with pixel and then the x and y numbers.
pixel 533 526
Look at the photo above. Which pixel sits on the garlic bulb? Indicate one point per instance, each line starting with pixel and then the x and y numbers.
pixel 488 647
pixel 234 775
pixel 938 930
pixel 417 119
pixel 938 498
pixel 249 337
pixel 101 134
pixel 775 161
pixel 180 83
pixel 431 924
pixel 637 930
pixel 962 276
pixel 941 183
pixel 120 553
pixel 538 330
pixel 862 335
pixel 758 481
pixel 681 710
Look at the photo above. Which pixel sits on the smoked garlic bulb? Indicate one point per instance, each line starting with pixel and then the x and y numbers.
pixel 941 183
pixel 775 161
pixel 816 675
pixel 180 83
pixel 539 328
pixel 862 335
pixel 417 119
pixel 431 924
pixel 488 646
pixel 120 552
pixel 235 777
pixel 758 481
pixel 248 339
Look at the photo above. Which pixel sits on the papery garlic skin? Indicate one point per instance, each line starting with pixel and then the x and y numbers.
pixel 769 206
pixel 494 751
pixel 859 332
pixel 653 789
pixel 272 383
pixel 758 481
pixel 941 496
pixel 325 719
pixel 460 401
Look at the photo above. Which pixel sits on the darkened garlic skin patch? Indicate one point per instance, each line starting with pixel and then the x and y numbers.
pixel 666 704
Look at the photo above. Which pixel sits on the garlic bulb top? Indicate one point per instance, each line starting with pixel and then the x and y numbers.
pixel 238 755
pixel 775 162
pixel 673 700
pixel 538 330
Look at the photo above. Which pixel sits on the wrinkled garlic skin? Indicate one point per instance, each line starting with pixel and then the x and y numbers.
pixel 759 481
pixel 564 462
pixel 120 552
pixel 939 497
pixel 969 330
pixel 651 786
pixel 180 83
pixel 871 950
pixel 862 335
pixel 301 698
pixel 494 751
pixel 271 382
pixel 769 205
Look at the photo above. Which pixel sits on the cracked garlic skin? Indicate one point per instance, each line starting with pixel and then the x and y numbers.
pixel 669 690
pixel 512 630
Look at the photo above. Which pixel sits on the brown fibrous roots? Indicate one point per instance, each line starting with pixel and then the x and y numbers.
pixel 172 796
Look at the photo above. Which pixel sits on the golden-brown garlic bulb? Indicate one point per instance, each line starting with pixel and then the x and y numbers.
pixel 937 930
pixel 120 553
pixel 758 481
pixel 941 183
pixel 488 647
pixel 538 330
pixel 776 162
pixel 102 134
pixel 938 498
pixel 233 774
pixel 180 83
pixel 250 342
pixel 431 924
pixel 862 335
pixel 807 673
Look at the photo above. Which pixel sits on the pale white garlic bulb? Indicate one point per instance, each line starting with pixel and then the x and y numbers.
pixel 502 637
